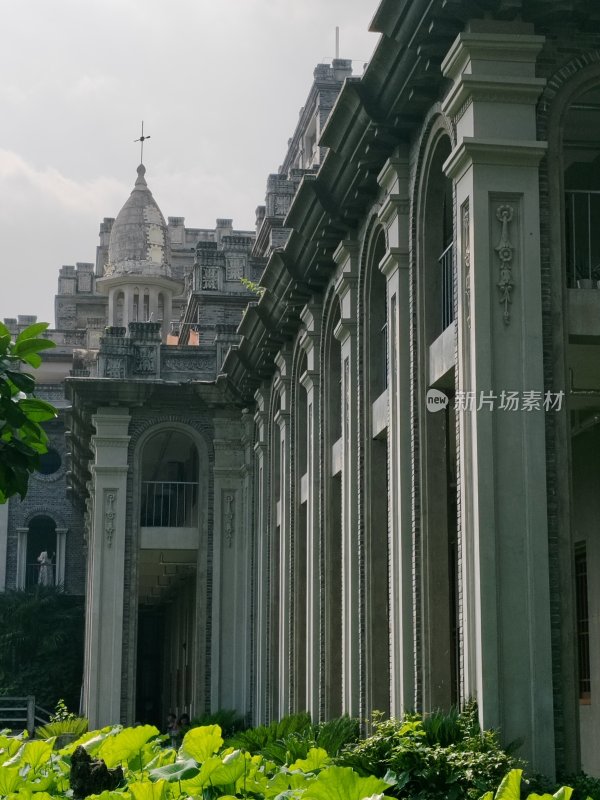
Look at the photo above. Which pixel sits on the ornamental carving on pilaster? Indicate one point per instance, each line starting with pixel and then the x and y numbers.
pixel 466 257
pixel 504 248
pixel 110 499
pixel 228 517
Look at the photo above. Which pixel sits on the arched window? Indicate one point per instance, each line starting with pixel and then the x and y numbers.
pixel 41 552
pixel 169 490
pixel 437 493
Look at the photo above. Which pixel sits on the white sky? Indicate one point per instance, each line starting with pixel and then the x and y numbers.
pixel 218 83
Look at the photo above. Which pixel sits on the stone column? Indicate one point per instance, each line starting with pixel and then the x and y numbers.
pixel 61 548
pixel 282 385
pixel 346 256
pixel 394 216
pixel 261 626
pixel 506 616
pixel 311 318
pixel 230 643
pixel 106 561
pixel 21 557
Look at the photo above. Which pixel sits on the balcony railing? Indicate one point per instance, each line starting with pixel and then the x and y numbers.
pixel 583 238
pixel 169 504
pixel 446 262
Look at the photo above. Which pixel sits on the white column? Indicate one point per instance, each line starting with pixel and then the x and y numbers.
pixel 507 632
pixel 106 553
pixel 21 557
pixel 261 626
pixel 345 332
pixel 61 546
pixel 230 645
pixel 311 317
pixel 394 179
pixel 282 421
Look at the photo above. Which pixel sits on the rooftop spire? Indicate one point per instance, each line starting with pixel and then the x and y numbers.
pixel 141 140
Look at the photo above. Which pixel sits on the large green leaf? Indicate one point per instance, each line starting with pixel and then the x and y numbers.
pixel 115 750
pixel 564 793
pixel 26 347
pixel 201 743
pixel 10 780
pixel 179 771
pixel 37 410
pixel 285 780
pixel 317 758
pixel 31 331
pixel 145 790
pixel 232 767
pixel 22 380
pixel 342 783
pixel 33 754
pixel 510 786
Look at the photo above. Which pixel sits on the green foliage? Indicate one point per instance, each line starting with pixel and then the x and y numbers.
pixel 510 789
pixel 22 438
pixel 30 770
pixel 253 287
pixel 293 737
pixel 41 644
pixel 227 719
pixel 77 727
pixel 443 756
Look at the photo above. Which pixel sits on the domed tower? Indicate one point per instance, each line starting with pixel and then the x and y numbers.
pixel 137 277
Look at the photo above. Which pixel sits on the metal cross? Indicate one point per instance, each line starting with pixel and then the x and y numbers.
pixel 142 139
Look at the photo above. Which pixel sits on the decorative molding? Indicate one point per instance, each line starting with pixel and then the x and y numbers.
pixel 504 248
pixel 466 257
pixel 110 498
pixel 189 364
pixel 228 517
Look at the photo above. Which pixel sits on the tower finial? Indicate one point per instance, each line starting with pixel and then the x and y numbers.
pixel 141 140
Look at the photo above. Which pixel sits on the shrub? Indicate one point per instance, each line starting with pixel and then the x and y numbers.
pixel 444 756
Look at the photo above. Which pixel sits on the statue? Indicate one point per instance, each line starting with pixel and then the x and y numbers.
pixel 45 577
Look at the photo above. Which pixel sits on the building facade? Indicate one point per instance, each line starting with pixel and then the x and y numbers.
pixel 385 497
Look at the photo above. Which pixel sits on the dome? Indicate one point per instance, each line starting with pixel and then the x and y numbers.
pixel 139 239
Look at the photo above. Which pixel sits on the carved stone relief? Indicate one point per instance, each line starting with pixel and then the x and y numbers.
pixel 110 498
pixel 228 517
pixel 504 248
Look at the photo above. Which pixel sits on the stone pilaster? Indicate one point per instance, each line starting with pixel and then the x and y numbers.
pixel 106 558
pixel 502 452
pixel 311 318
pixel 282 386
pixel 261 625
pixel 346 256
pixel 230 645
pixel 394 216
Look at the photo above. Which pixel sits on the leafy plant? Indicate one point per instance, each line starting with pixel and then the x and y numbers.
pixel 22 438
pixel 510 789
pixel 76 727
pixel 444 755
pixel 41 644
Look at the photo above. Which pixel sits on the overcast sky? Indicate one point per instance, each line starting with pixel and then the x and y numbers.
pixel 218 83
